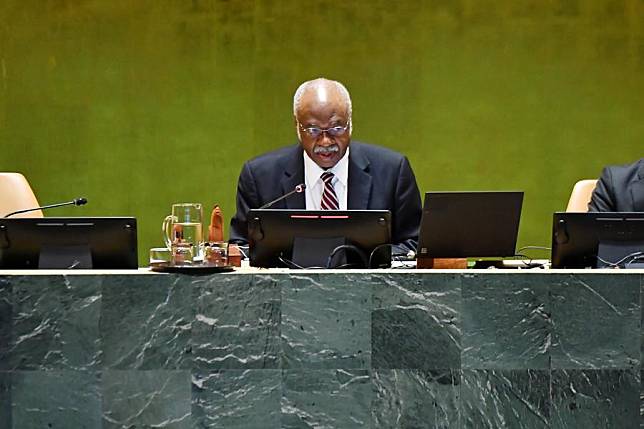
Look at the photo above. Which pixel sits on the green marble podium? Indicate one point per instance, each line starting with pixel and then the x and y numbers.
pixel 313 349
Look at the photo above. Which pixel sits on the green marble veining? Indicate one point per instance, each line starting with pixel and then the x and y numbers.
pixel 6 316
pixel 514 398
pixel 595 398
pixel 5 398
pixel 641 402
pixel 55 323
pixel 56 399
pixel 505 324
pixel 416 322
pixel 146 323
pixel 326 321
pixel 159 399
pixel 322 350
pixel 596 321
pixel 416 398
pixel 237 322
pixel 326 398
pixel 237 399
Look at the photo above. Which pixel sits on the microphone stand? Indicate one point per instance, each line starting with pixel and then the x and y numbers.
pixel 298 189
pixel 76 202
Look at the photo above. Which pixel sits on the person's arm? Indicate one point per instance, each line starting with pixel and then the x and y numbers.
pixel 603 198
pixel 406 217
pixel 246 200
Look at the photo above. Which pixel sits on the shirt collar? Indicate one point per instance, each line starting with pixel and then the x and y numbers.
pixel 312 171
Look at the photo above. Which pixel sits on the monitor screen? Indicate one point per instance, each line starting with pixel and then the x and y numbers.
pixel 596 240
pixel 76 242
pixel 307 238
pixel 469 224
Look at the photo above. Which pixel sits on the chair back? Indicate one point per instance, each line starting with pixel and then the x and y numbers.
pixel 580 195
pixel 16 194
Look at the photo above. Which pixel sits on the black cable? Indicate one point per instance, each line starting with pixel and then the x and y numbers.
pixel 346 247
pixel 633 256
pixel 243 250
pixel 292 265
pixel 289 264
pixel 528 261
pixel 373 252
pixel 339 267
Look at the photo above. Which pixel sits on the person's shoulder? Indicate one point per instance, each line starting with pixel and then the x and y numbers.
pixel 616 178
pixel 375 152
pixel 624 170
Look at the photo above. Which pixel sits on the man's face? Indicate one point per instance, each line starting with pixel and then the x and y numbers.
pixel 323 109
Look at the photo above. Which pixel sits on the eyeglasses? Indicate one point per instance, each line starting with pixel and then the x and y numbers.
pixel 316 132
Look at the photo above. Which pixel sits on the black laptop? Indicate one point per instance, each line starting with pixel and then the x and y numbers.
pixel 68 242
pixel 598 240
pixel 470 224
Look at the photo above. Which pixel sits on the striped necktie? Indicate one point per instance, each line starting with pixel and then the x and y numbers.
pixel 329 198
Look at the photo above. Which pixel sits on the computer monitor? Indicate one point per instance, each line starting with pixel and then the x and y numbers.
pixel 469 224
pixel 307 238
pixel 596 240
pixel 71 242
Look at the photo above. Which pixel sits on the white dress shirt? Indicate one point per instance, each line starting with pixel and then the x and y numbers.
pixel 315 185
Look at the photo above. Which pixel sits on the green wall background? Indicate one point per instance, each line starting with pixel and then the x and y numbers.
pixel 139 104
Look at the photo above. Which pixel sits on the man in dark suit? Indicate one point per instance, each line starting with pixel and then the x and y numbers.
pixel 619 189
pixel 338 173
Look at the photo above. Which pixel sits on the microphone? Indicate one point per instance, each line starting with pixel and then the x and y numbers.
pixel 75 202
pixel 297 190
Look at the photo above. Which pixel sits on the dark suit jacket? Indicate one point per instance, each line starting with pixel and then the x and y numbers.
pixel 620 189
pixel 379 179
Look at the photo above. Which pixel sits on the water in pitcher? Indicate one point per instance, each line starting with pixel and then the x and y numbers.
pixel 191 232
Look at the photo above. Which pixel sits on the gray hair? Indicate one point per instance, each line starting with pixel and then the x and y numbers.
pixel 297 98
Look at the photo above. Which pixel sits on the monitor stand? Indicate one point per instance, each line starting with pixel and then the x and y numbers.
pixel 311 252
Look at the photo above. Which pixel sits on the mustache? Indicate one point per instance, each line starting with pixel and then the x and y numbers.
pixel 326 149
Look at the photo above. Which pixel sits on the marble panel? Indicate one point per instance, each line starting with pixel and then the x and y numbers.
pixel 6 316
pixel 56 399
pixel 595 399
pixel 5 399
pixel 146 322
pixel 506 322
pixel 237 399
pixel 416 321
pixel 596 321
pixel 326 321
pixel 641 322
pixel 237 323
pixel 146 399
pixel 55 322
pixel 513 399
pixel 328 398
pixel 416 399
pixel 642 398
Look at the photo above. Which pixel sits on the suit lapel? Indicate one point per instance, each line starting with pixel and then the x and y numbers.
pixel 293 176
pixel 359 189
pixel 637 189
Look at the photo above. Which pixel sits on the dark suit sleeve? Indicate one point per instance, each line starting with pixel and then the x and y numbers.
pixel 603 198
pixel 246 199
pixel 406 216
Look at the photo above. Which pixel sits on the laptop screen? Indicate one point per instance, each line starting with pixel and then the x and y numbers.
pixel 596 240
pixel 470 224
pixel 68 242
pixel 308 237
